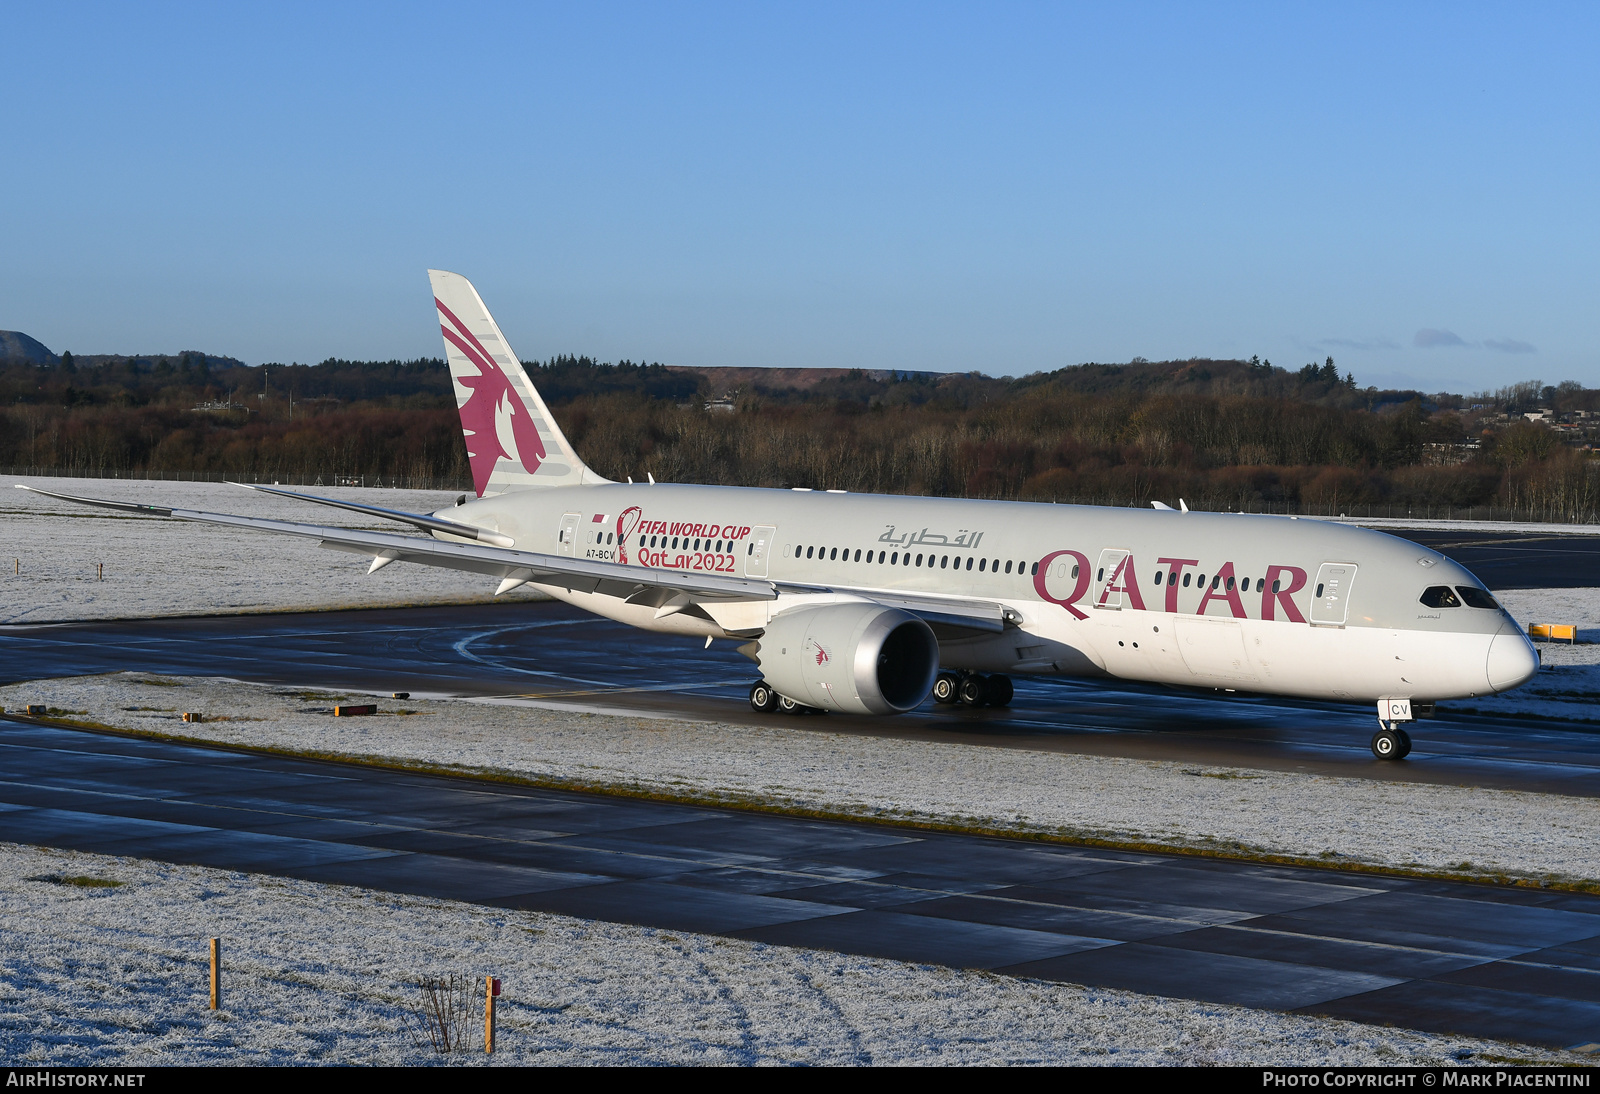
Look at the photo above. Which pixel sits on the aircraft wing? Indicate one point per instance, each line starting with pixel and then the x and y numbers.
pixel 512 567
pixel 962 613
pixel 509 565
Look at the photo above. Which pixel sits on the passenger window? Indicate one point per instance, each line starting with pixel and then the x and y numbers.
pixel 1186 578
pixel 1439 596
pixel 969 563
pixel 982 564
pixel 1008 565
pixel 1476 597
pixel 1034 571
pixel 1230 584
pixel 919 559
pixel 1074 569
pixel 944 562
pixel 1100 574
pixel 808 552
pixel 894 559
pixel 858 555
pixel 833 555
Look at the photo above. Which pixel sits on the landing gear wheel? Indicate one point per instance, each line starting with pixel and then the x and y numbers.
pixel 787 705
pixel 999 691
pixel 1405 742
pixel 763 699
pixel 1390 744
pixel 944 687
pixel 973 690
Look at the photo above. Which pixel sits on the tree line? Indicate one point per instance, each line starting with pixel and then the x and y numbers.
pixel 1219 434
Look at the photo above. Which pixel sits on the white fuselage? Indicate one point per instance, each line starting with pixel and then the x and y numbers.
pixel 1250 603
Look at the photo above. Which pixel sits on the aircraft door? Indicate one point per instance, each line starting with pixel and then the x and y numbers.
pixel 567 536
pixel 1330 604
pixel 755 555
pixel 1109 583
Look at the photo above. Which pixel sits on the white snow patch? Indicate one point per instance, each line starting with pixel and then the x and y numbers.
pixel 325 974
pixel 1335 820
pixel 50 551
pixel 1568 686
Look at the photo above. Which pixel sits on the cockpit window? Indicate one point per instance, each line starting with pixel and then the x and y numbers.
pixel 1475 597
pixel 1439 596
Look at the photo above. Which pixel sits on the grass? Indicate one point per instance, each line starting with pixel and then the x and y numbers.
pixel 80 881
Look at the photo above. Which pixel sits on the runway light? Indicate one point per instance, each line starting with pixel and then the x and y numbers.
pixel 352 711
pixel 400 695
pixel 193 716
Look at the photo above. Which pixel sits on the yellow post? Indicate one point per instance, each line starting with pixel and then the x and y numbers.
pixel 216 974
pixel 491 989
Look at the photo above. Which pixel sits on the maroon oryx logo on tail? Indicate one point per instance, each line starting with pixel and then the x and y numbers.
pixel 493 418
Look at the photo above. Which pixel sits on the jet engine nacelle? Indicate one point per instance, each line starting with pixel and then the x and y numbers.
pixel 860 658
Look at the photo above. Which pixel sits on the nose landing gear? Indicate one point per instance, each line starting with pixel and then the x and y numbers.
pixel 1391 742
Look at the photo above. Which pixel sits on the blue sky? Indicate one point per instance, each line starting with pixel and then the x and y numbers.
pixel 1008 188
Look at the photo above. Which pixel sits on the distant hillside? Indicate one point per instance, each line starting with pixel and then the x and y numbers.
pixel 14 345
pixel 732 379
pixel 147 362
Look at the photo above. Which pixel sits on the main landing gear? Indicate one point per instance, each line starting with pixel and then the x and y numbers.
pixel 972 689
pixel 1391 742
pixel 763 700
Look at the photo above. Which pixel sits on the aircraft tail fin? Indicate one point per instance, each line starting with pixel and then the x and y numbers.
pixel 513 442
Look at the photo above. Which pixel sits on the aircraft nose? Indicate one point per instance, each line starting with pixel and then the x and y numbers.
pixel 1512 660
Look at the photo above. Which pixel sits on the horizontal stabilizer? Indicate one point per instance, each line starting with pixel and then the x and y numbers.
pixel 416 520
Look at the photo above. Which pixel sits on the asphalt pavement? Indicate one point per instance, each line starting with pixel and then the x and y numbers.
pixel 552 653
pixel 1482 960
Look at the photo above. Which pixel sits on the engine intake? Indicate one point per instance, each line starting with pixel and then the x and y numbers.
pixel 860 658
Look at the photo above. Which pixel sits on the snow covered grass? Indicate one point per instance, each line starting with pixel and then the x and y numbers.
pixel 1451 831
pixel 1568 686
pixel 327 974
pixel 155 566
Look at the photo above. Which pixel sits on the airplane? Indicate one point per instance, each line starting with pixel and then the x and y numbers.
pixel 870 604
